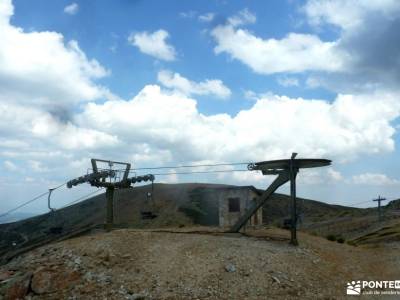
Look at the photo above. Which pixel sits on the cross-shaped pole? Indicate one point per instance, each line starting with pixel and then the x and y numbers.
pixel 379 200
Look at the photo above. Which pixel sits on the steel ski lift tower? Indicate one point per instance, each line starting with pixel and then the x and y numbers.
pixel 110 179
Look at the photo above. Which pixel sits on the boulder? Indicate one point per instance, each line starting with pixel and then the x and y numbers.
pixel 46 280
pixel 18 287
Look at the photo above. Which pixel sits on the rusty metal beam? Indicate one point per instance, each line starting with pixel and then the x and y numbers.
pixel 283 177
pixel 287 170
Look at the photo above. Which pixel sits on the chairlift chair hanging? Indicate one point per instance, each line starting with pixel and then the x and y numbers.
pixel 151 212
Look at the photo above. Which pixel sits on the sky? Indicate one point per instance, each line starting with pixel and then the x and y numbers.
pixel 166 83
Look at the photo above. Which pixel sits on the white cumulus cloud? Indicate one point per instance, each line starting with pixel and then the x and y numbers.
pixel 71 9
pixel 154 44
pixel 368 33
pixel 273 127
pixel 175 81
pixel 42 78
pixel 294 53
pixel 287 81
pixel 241 18
pixel 346 14
pixel 41 68
pixel 34 125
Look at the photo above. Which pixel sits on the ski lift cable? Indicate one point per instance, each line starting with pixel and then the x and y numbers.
pixel 198 172
pixel 191 166
pixel 30 201
pixel 84 197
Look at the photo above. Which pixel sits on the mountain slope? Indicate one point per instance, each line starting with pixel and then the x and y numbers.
pixel 317 217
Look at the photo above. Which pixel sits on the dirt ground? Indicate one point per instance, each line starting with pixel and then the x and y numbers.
pixel 195 263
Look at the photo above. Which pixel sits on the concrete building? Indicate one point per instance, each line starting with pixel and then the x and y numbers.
pixel 222 206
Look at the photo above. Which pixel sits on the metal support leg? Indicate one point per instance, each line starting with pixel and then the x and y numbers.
pixel 110 208
pixel 293 228
pixel 379 212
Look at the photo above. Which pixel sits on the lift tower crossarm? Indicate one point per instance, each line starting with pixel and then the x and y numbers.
pixel 99 179
pixel 92 178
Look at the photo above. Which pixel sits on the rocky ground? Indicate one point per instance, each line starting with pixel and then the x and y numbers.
pixel 194 263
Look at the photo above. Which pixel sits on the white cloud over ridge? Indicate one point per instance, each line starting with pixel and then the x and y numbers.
pixel 154 44
pixel 274 127
pixel 374 179
pixel 212 87
pixel 35 125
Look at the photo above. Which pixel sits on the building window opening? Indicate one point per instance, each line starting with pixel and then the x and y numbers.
pixel 234 204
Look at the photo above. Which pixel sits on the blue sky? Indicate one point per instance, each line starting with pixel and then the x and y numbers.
pixel 176 82
pixel 102 26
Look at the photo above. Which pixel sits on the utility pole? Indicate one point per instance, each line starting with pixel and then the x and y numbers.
pixel 379 200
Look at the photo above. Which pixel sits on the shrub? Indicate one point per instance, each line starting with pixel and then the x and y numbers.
pixel 331 237
pixel 193 210
pixel 351 243
pixel 341 240
pixel 278 224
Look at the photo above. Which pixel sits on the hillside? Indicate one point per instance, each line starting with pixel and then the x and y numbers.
pixel 387 232
pixel 15 217
pixel 66 253
pixel 317 218
pixel 323 219
pixel 89 213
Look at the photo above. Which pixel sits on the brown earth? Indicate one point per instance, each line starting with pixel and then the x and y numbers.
pixel 195 263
